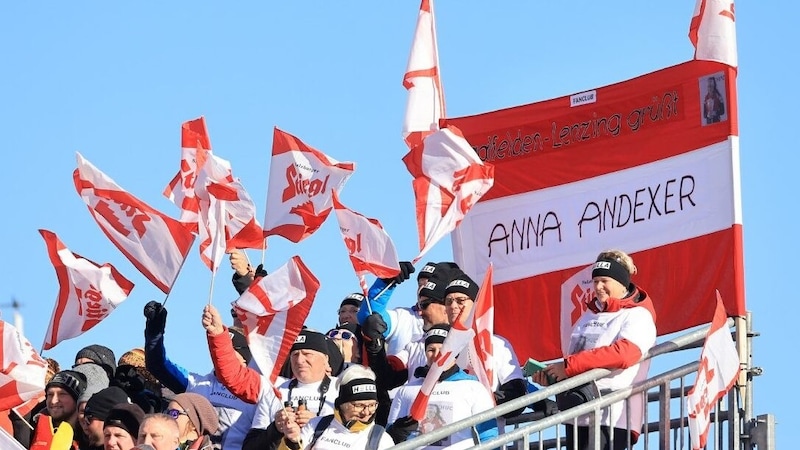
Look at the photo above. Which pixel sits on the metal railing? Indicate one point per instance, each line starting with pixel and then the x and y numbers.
pixel 732 426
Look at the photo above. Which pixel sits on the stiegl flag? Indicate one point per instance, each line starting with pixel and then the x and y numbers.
pixel 719 368
pixel 87 292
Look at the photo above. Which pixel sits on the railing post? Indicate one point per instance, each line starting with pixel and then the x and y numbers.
pixel 663 416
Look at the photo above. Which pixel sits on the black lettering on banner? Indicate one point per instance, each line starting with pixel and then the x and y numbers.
pixel 619 210
pixel 523 231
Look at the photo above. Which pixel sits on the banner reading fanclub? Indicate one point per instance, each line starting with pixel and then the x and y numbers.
pixel 649 166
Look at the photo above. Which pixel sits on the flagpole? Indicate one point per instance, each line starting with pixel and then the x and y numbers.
pixel 439 89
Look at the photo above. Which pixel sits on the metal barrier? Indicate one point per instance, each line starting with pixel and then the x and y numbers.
pixel 732 426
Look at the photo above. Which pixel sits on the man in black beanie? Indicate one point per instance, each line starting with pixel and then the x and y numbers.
pixel 121 427
pixel 348 309
pixel 61 397
pixel 96 412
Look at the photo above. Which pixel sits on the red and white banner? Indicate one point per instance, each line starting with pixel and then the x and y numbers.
pixel 425 103
pixel 719 368
pixel 301 180
pixel 370 248
pixel 636 166
pixel 448 179
pixel 153 242
pixel 713 32
pixel 22 370
pixel 87 292
pixel 458 338
pixel 481 320
pixel 195 150
pixel 7 442
pixel 273 311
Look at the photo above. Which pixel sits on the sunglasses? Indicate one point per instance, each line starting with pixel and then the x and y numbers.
pixel 175 413
pixel 423 305
pixel 341 334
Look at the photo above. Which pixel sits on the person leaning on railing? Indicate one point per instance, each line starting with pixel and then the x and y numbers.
pixel 615 330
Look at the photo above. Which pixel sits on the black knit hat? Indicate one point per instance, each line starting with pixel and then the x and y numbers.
pixel 434 288
pixel 353 299
pixel 607 267
pixel 437 334
pixel 357 389
pixel 311 340
pixel 126 416
pixel 100 355
pixel 102 402
pixel 239 341
pixel 430 269
pixel 463 284
pixel 69 380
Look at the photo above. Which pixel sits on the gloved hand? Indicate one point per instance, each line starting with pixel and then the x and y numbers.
pixel 156 318
pixel 406 269
pixel 260 271
pixel 372 330
pixel 402 428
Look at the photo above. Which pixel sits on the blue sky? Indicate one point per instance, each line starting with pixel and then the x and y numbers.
pixel 115 80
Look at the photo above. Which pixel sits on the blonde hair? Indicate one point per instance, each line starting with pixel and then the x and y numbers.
pixel 620 257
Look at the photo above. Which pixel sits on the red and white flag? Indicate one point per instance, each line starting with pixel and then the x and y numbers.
pixel 273 311
pixel 301 180
pixel 713 32
pixel 370 247
pixel 719 369
pixel 425 104
pixel 458 338
pixel 448 179
pixel 153 242
pixel 481 320
pixel 195 150
pixel 22 372
pixel 87 292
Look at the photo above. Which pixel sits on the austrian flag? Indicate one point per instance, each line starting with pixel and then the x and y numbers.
pixel 155 243
pixel 301 181
pixel 87 292
pixel 273 310
pixel 370 247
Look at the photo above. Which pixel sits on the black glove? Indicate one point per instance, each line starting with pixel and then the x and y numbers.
pixel 406 269
pixel 402 428
pixel 156 318
pixel 260 271
pixel 372 330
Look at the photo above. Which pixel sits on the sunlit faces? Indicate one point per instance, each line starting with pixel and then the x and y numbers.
pixel 308 366
pixel 60 404
pixel 607 287
pixel 116 438
pixel 432 311
pixel 457 304
pixel 186 428
pixel 347 344
pixel 432 352
pixel 93 429
pixel 359 410
pixel 160 431
pixel 348 314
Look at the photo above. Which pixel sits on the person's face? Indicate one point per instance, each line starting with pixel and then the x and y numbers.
pixel 712 83
pixel 431 312
pixel 308 366
pixel 457 304
pixel 116 438
pixel 607 287
pixel 60 405
pixel 347 343
pixel 361 410
pixel 93 429
pixel 159 434
pixel 348 314
pixel 185 426
pixel 432 352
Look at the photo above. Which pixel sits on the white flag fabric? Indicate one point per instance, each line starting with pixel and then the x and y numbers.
pixel 301 180
pixel 370 248
pixel 719 368
pixel 457 339
pixel 449 178
pixel 153 242
pixel 481 320
pixel 195 145
pixel 425 103
pixel 87 292
pixel 7 442
pixel 22 370
pixel 713 32
pixel 273 310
